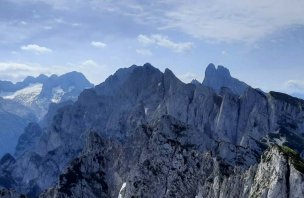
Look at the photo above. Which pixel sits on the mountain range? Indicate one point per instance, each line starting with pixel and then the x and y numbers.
pixel 28 101
pixel 145 133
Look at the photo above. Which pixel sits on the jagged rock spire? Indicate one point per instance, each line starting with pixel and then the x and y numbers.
pixel 219 77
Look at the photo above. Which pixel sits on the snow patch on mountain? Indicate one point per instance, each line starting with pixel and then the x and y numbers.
pixel 121 191
pixel 146 110
pixel 57 93
pixel 25 96
pixel 193 141
pixel 29 100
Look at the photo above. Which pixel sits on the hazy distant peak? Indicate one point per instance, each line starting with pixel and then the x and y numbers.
pixel 195 82
pixel 73 74
pixel 148 65
pixel 220 70
pixel 218 77
pixel 170 76
pixel 168 72
pixel 42 77
pixel 210 69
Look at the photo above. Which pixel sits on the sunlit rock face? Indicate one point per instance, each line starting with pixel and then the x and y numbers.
pixel 145 133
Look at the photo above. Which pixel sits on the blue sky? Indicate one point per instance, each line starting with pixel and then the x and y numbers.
pixel 261 42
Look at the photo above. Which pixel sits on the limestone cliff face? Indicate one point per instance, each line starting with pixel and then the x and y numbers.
pixel 278 174
pixel 168 165
pixel 156 136
pixel 27 140
pixel 85 177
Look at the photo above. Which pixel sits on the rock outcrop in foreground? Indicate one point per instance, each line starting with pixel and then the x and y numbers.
pixel 144 133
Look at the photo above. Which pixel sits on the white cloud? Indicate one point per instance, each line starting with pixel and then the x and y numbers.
pixel 294 86
pixel 98 44
pixel 18 71
pixel 188 77
pixel 76 24
pixel 35 48
pixel 215 20
pixel 224 52
pixel 59 20
pixel 146 40
pixel 47 27
pixel 218 20
pixel 88 62
pixel 212 20
pixel 163 41
pixel 10 32
pixel 145 52
pixel 15 72
pixel 93 70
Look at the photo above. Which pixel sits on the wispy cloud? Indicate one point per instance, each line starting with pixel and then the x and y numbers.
pixel 223 21
pixel 15 71
pixel 163 41
pixel 212 20
pixel 14 31
pixel 145 52
pixel 228 21
pixel 56 4
pixel 93 70
pixel 98 44
pixel 35 48
pixel 88 63
pixel 146 40
pixel 294 86
pixel 224 52
pixel 18 71
pixel 188 77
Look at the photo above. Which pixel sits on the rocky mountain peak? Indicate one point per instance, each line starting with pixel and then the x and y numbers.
pixel 218 77
pixel 145 133
pixel 169 76
pixel 74 75
pixel 28 101
pixel 125 81
pixel 148 65
pixel 195 82
pixel 221 71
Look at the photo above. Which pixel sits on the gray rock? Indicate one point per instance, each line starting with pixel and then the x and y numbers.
pixel 219 77
pixel 13 118
pixel 24 104
pixel 28 139
pixel 10 193
pixel 275 176
pixel 158 137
